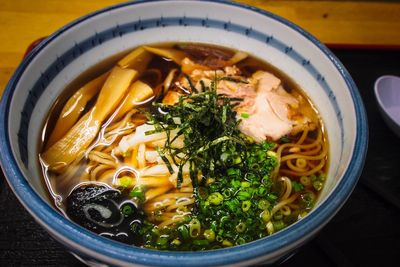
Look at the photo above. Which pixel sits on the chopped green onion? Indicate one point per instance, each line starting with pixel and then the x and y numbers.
pixel 176 242
pixel 232 204
pixel 215 198
pixel 214 225
pixel 241 227
pixel 245 115
pixel 245 184
pixel 227 193
pixel 272 154
pixel 305 181
pixel 318 185
pixel 127 209
pixel 183 230
pixel 246 205
pixel 265 216
pixel 243 195
pixel 233 172
pixel 209 234
pixel 202 242
pixel 278 225
pixel 237 160
pixel 271 197
pixel 297 186
pixel 162 241
pixel 138 193
pixel 194 228
pixel 262 191
pixel 240 241
pixel 263 204
pixel 125 181
pixel 227 243
pixel 235 183
pixel 135 227
pixel 155 232
pixel 224 156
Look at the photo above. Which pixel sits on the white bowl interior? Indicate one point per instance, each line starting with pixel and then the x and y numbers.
pixel 286 49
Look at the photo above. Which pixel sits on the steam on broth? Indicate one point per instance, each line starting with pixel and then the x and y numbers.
pixel 184 147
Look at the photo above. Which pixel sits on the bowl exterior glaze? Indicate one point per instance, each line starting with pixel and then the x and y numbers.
pixel 387 94
pixel 60 58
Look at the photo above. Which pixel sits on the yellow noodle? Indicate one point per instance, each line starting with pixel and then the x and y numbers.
pixel 186 180
pixel 160 218
pixel 173 196
pixel 302 146
pixel 315 151
pixel 122 122
pixel 154 192
pixel 141 156
pixel 153 181
pixel 171 221
pixel 294 156
pixel 293 167
pixel 164 202
pixel 283 203
pixel 106 149
pixel 134 160
pixel 187 189
pixel 110 137
pixel 285 210
pixel 303 136
pixel 98 169
pixel 301 163
pixel 288 187
pixel 106 177
pixel 169 214
pixel 310 172
pixel 102 158
pixel 157 205
pixel 293 206
pixel 181 203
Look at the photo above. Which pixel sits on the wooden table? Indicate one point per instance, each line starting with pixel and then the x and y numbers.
pixel 333 22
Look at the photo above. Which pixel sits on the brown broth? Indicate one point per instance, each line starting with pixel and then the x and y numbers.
pixel 163 66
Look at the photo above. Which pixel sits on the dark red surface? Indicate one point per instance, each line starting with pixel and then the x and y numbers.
pixel 33 45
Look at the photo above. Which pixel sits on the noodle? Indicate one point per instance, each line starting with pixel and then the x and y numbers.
pixel 138 157
pixel 283 203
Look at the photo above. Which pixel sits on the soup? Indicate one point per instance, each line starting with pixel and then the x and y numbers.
pixel 184 146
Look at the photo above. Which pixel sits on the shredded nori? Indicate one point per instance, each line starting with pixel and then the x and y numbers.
pixel 241 170
pixel 207 123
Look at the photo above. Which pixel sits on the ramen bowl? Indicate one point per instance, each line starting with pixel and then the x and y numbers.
pixel 60 58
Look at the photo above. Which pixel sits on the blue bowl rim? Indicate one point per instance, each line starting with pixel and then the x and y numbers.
pixel 85 242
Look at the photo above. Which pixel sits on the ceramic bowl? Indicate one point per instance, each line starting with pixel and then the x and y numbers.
pixel 387 93
pixel 60 58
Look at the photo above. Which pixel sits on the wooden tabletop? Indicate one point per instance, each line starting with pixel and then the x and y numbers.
pixel 372 23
